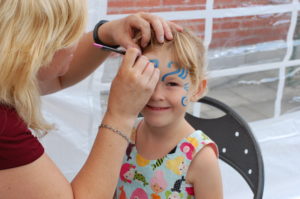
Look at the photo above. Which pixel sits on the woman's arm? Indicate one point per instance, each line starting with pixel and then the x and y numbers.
pixel 135 81
pixel 136 84
pixel 204 174
pixel 87 57
pixel 60 74
pixel 41 179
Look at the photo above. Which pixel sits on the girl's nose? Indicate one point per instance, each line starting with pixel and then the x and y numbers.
pixel 158 93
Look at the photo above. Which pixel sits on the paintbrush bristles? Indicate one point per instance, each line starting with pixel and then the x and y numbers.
pixel 122 52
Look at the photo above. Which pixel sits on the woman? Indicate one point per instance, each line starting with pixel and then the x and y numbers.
pixel 43 50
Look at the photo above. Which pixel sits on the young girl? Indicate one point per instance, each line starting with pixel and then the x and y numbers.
pixel 167 157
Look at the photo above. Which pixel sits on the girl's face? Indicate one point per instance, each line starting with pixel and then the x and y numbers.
pixel 172 94
pixel 59 64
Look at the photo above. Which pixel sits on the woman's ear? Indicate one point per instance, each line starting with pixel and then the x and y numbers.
pixel 199 91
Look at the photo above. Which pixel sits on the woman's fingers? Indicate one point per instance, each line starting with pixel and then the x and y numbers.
pixel 140 65
pixel 156 23
pixel 134 82
pixel 153 74
pixel 167 30
pixel 161 27
pixel 175 26
pixel 130 57
pixel 123 31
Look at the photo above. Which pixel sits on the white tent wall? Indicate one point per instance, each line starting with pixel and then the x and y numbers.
pixel 260 81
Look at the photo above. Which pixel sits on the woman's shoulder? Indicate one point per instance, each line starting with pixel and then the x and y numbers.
pixel 17 144
pixel 10 122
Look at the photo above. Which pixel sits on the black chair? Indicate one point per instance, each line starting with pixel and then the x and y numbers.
pixel 236 143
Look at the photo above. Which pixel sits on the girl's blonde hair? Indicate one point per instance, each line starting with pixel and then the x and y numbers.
pixel 31 32
pixel 188 51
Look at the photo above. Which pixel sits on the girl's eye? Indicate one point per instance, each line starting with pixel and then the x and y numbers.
pixel 172 84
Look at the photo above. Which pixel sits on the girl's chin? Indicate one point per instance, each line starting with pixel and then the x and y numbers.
pixel 155 122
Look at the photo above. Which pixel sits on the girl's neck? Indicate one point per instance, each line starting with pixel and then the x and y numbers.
pixel 177 129
pixel 155 142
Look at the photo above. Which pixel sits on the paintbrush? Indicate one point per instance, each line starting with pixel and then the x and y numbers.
pixel 122 52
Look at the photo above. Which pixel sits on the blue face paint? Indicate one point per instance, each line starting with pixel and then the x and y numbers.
pixel 170 64
pixel 184 101
pixel 183 73
pixel 155 62
pixel 170 73
pixel 186 87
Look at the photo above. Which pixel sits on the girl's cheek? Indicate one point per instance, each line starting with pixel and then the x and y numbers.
pixel 184 99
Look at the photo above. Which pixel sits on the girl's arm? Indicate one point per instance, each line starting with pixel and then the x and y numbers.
pixel 204 174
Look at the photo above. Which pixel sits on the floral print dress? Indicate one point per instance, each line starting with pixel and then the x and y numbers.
pixel 163 178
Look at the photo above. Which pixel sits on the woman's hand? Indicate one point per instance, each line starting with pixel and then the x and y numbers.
pixel 62 74
pixel 132 86
pixel 122 31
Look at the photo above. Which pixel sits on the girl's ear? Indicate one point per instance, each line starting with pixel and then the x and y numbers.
pixel 199 91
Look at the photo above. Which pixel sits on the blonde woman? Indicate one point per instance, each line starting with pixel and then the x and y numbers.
pixel 43 49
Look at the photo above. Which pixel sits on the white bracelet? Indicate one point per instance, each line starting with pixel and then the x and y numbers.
pixel 115 131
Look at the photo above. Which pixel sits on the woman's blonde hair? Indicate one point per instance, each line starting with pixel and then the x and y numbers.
pixel 31 32
pixel 188 51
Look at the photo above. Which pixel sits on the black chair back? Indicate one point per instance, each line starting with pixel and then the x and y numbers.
pixel 236 143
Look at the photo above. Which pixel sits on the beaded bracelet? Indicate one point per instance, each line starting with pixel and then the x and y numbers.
pixel 96 36
pixel 115 131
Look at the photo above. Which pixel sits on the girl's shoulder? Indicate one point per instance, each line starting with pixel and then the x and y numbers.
pixel 197 140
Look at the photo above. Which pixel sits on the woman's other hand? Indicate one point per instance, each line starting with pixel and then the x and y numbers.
pixel 132 86
pixel 122 31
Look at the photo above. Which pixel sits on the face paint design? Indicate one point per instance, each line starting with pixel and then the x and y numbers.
pixel 155 62
pixel 184 101
pixel 182 72
pixel 186 87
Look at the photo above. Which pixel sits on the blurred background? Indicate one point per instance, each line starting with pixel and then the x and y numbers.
pixel 254 67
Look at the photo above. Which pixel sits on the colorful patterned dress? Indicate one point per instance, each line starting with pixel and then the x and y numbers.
pixel 162 178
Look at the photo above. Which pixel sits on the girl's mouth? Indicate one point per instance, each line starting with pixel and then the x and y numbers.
pixel 157 108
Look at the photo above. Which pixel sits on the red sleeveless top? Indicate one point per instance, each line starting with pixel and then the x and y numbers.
pixel 17 145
